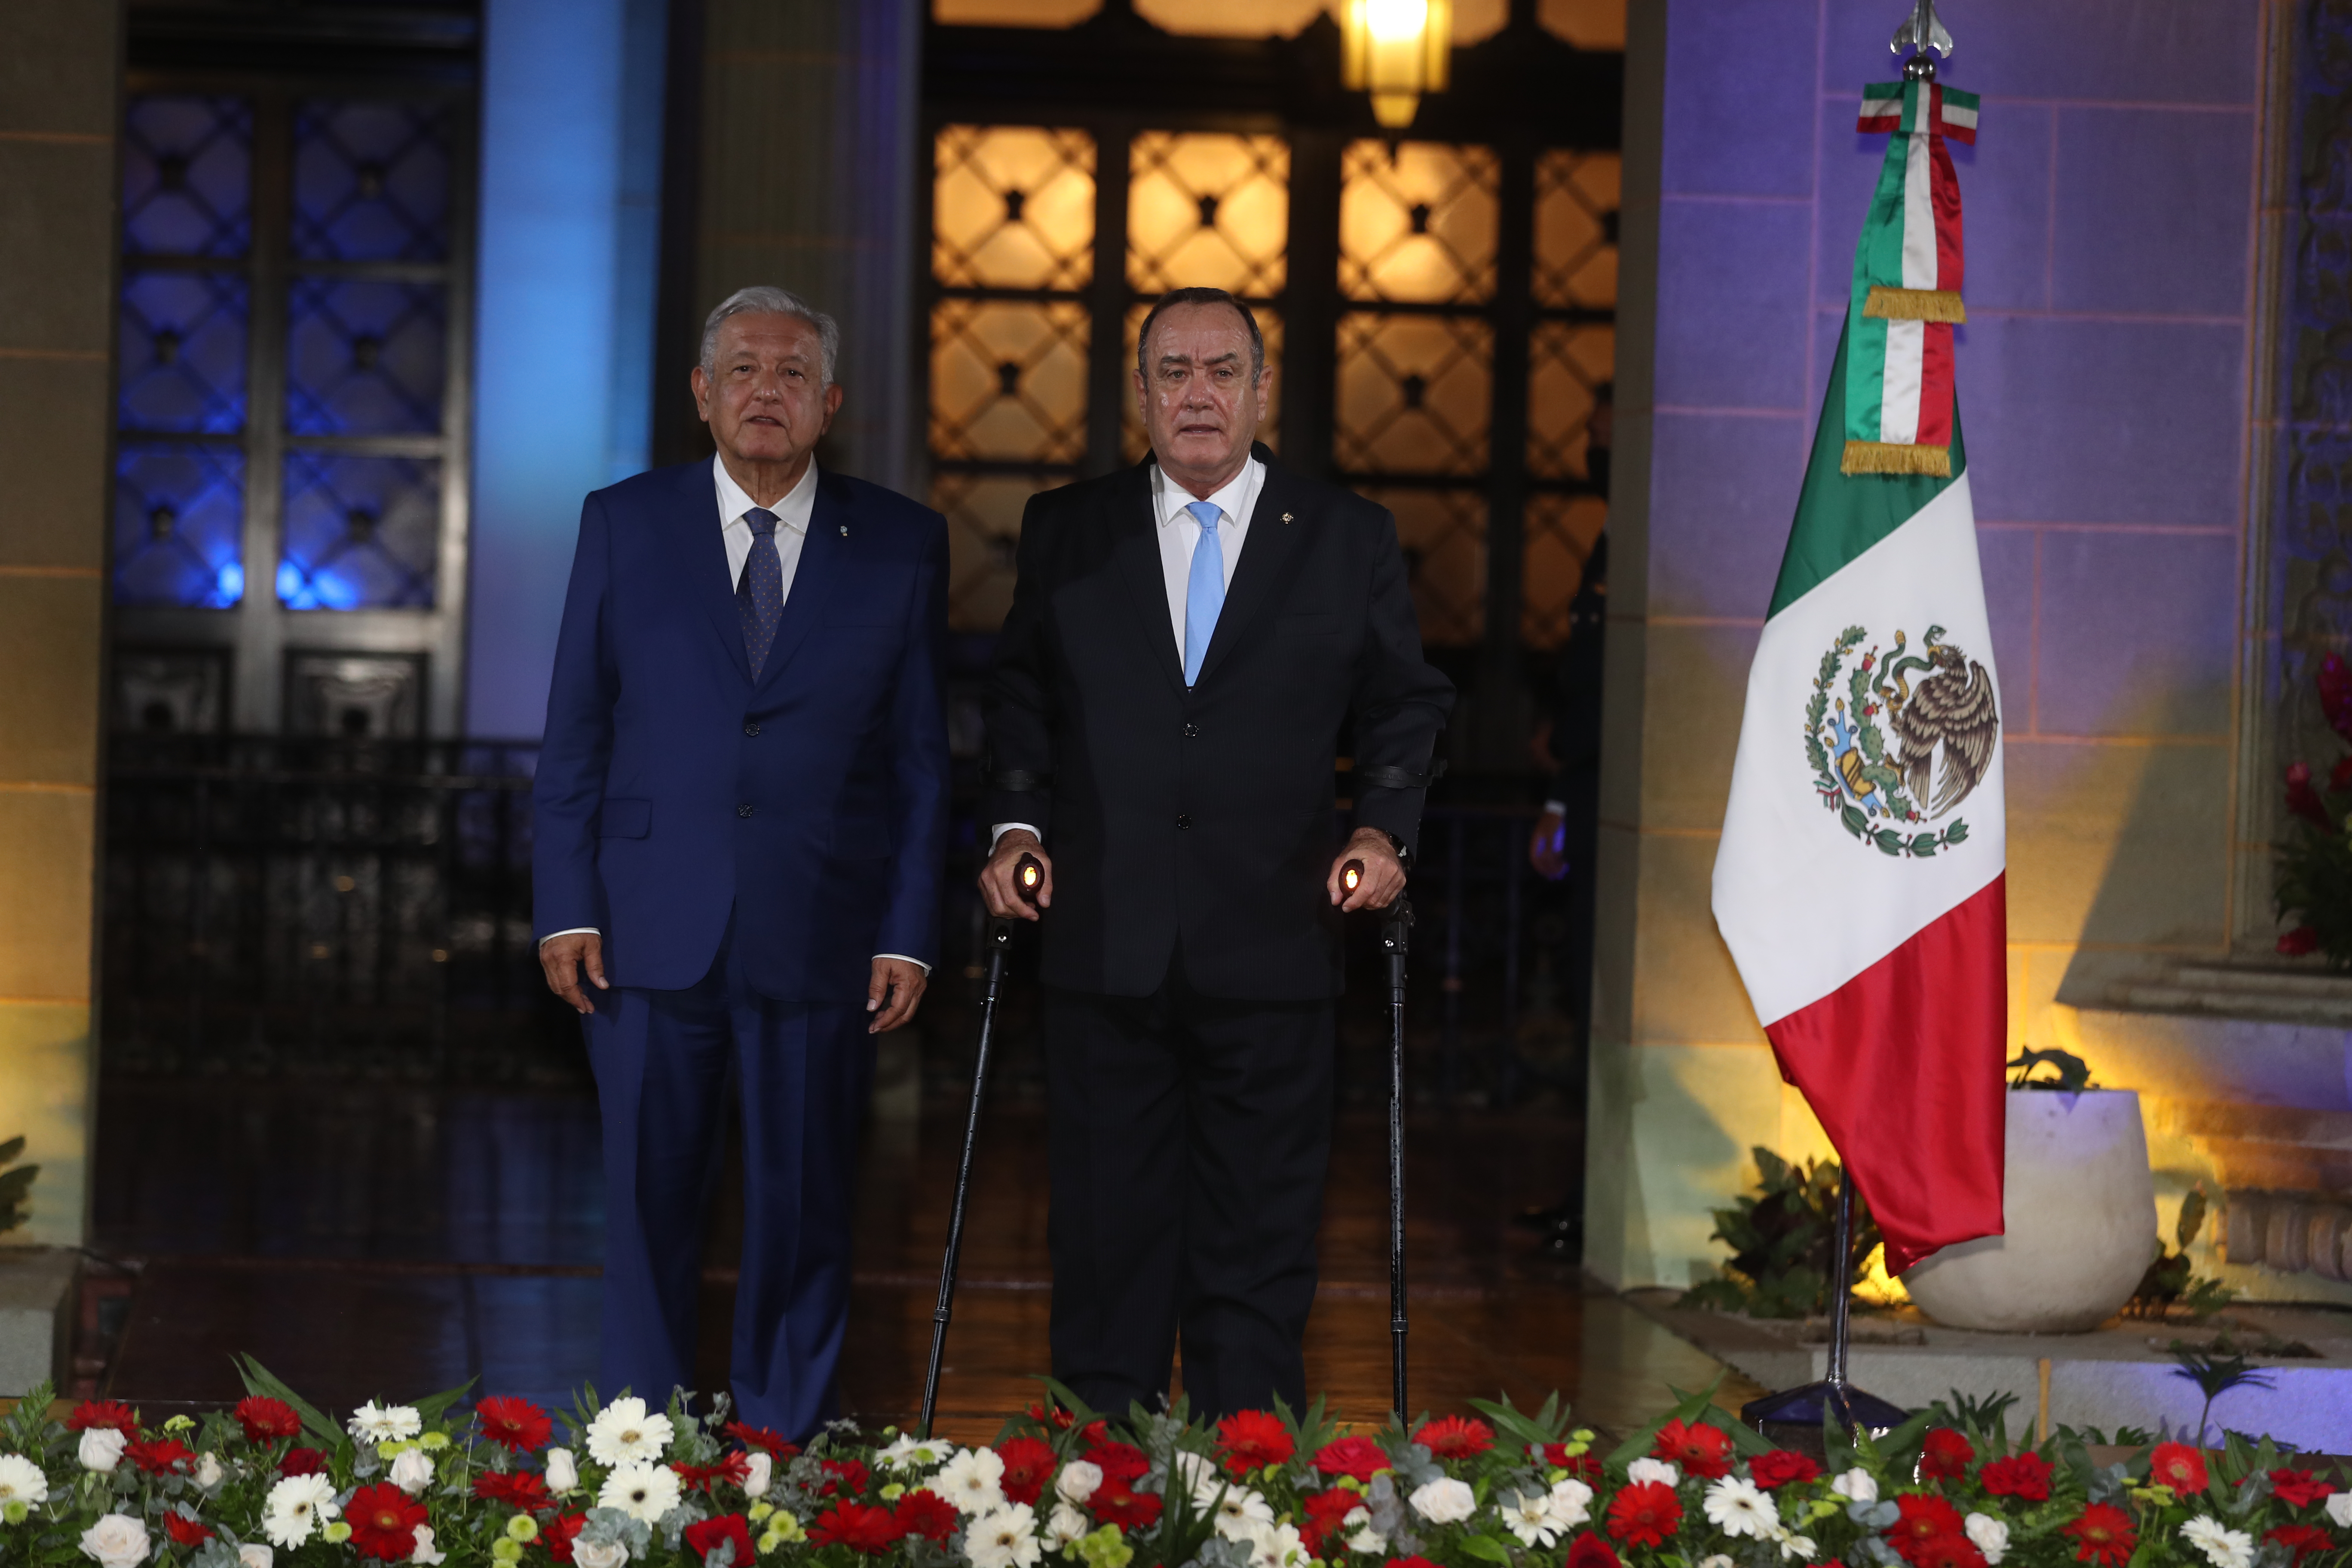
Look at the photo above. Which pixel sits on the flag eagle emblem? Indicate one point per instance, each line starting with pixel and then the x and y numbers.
pixel 1886 792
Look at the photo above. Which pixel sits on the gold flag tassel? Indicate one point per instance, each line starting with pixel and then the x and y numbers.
pixel 1914 304
pixel 1896 458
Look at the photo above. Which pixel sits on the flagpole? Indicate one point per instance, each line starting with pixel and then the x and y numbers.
pixel 1841 1293
pixel 1795 1416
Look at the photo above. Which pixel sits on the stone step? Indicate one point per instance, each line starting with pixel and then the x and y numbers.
pixel 2278 982
pixel 2237 1002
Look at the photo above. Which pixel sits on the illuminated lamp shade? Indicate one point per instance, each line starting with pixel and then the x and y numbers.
pixel 1396 50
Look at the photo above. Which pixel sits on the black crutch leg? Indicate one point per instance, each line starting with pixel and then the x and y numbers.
pixel 1396 927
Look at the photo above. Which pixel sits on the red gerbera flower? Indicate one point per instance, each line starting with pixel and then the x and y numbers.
pixel 383 1521
pixel 2302 1540
pixel 1118 1461
pixel 1700 1449
pixel 522 1489
pixel 2023 1475
pixel 1588 1550
pixel 159 1457
pixel 844 1478
pixel 185 1532
pixel 2178 1465
pixel 1925 1519
pixel 732 1469
pixel 926 1514
pixel 2102 1534
pixel 1325 1514
pixel 706 1535
pixel 516 1425
pixel 1456 1438
pixel 560 1533
pixel 1645 1514
pixel 1946 1551
pixel 1057 1417
pixel 1360 1457
pixel 302 1462
pixel 107 1413
pixel 265 1419
pixel 872 1531
pixel 1409 1562
pixel 1251 1440
pixel 1028 1466
pixel 1945 1456
pixel 766 1438
pixel 1779 1469
pixel 1115 1502
pixel 2299 1488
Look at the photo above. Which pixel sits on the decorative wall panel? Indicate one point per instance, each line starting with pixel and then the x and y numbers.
pixel 187 175
pixel 1206 210
pixel 1561 531
pixel 984 514
pixel 1568 365
pixel 1444 532
pixel 180 355
pixel 1013 206
pixel 365 358
pixel 361 533
pixel 1418 223
pixel 1009 381
pixel 1577 196
pixel 373 695
pixel 179 524
pixel 371 181
pixel 1415 394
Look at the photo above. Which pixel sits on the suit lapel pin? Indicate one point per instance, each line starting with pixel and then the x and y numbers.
pixel 1286 517
pixel 844 531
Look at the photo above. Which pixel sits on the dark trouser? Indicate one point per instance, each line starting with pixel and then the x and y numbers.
pixel 1189 1140
pixel 663 1059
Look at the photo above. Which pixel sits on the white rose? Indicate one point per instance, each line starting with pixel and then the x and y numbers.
pixel 626 1430
pixel 1077 1481
pixel 599 1554
pixel 102 1448
pixel 373 1423
pixel 1715 1560
pixel 562 1474
pixel 2339 1509
pixel 763 1469
pixel 1446 1501
pixel 1570 1504
pixel 1647 1471
pixel 21 1480
pixel 412 1470
pixel 424 1553
pixel 1855 1485
pixel 117 1540
pixel 1366 1539
pixel 1990 1535
pixel 209 1472
pixel 253 1555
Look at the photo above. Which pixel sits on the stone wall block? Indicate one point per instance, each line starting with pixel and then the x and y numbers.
pixel 47 845
pixel 49 644
pixel 2117 844
pixel 2151 211
pixel 2137 633
pixel 1731 292
pixel 57 200
pixel 2186 51
pixel 1699 675
pixel 1723 488
pixel 1739 119
pixel 53 450
pixel 51 79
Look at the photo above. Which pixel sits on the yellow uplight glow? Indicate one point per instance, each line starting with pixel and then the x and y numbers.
pixel 1396 50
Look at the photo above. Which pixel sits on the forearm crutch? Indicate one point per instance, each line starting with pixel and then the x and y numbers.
pixel 1027 874
pixel 1396 933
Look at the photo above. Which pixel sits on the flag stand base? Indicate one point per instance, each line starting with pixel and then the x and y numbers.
pixel 1795 1416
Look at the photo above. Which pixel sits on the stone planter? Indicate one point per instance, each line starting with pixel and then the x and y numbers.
pixel 36 1304
pixel 2080 1211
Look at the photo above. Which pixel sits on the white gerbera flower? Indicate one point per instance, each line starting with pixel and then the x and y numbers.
pixel 1275 1546
pixel 1239 1513
pixel 21 1480
pixel 1855 1485
pixel 1990 1534
pixel 1528 1515
pixel 640 1490
pixel 1066 1528
pixel 1740 1507
pixel 373 1423
pixel 1800 1547
pixel 1571 1504
pixel 1658 1471
pixel 1004 1537
pixel 1445 1501
pixel 625 1432
pixel 908 1452
pixel 295 1508
pixel 1077 1481
pixel 2222 1547
pixel 974 1481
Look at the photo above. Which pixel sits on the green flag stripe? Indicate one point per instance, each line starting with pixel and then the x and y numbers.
pixel 1838 515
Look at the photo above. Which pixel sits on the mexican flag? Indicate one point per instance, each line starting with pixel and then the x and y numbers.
pixel 1859 883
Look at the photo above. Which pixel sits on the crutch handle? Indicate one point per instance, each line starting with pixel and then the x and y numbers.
pixel 1351 875
pixel 1028 876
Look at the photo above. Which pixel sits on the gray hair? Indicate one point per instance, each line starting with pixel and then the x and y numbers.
pixel 766 299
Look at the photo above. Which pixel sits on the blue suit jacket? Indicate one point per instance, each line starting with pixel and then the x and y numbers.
pixel 672 789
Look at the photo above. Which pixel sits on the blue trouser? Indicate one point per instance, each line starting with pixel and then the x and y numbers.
pixel 662 1060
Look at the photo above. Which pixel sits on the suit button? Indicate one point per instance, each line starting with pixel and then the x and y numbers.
pixel 1192 731
pixel 1184 821
pixel 750 728
pixel 742 811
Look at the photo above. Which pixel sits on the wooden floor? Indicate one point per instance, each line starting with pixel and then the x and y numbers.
pixel 366 1241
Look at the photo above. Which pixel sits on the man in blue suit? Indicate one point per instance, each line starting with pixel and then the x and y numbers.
pixel 741 809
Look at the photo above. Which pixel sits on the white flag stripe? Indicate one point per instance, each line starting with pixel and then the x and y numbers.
pixel 1958 116
pixel 1918 216
pixel 1803 905
pixel 1905 375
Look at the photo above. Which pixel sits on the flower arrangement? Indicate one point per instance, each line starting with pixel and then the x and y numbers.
pixel 430 1484
pixel 2314 864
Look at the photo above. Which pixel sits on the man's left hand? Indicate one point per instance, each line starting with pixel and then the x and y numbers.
pixel 893 994
pixel 1383 877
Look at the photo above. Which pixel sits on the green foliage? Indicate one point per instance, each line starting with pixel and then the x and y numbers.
pixel 15 1186
pixel 2314 871
pixel 2074 1072
pixel 2216 1369
pixel 1782 1238
pixel 2169 1281
pixel 1984 1422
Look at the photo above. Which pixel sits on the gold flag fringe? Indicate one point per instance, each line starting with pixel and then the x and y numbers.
pixel 1914 304
pixel 1896 458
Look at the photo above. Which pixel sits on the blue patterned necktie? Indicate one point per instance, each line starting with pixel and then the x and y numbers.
pixel 760 598
pixel 1204 591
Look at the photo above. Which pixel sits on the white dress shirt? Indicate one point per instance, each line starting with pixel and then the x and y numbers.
pixel 1179 534
pixel 792 515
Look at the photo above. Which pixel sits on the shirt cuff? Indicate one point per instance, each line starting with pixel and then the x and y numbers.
pixel 1555 808
pixel 569 930
pixel 1002 829
pixel 904 959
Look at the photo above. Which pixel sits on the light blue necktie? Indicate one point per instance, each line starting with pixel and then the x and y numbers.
pixel 1204 591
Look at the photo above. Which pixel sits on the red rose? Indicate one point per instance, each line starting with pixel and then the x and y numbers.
pixel 516 1425
pixel 1556 1455
pixel 2303 800
pixel 2102 1534
pixel 1118 1461
pixel 1925 1520
pixel 560 1533
pixel 2302 1540
pixel 1251 1440
pixel 302 1462
pixel 705 1535
pixel 1700 1449
pixel 766 1438
pixel 1059 1418
pixel 160 1457
pixel 2298 1488
pixel 2302 940
pixel 1327 1512
pixel 2023 1475
pixel 383 1521
pixel 1028 1466
pixel 732 1469
pixel 185 1532
pixel 2178 1465
pixel 923 1512
pixel 1410 1563
pixel 265 1419
pixel 2334 683
pixel 1779 1469
pixel 1645 1514
pixel 1947 1456
pixel 1456 1438
pixel 1588 1550
pixel 844 1478
pixel 110 1414
pixel 525 1490
pixel 1115 1502
pixel 1360 1457
pixel 873 1531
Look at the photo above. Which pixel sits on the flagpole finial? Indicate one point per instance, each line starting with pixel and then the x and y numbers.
pixel 1921 31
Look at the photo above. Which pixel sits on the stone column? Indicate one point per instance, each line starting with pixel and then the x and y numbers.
pixel 60 79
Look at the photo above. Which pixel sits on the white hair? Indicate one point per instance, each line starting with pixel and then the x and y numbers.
pixel 765 299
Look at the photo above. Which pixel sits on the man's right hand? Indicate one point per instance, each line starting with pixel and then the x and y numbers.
pixel 998 886
pixel 562 957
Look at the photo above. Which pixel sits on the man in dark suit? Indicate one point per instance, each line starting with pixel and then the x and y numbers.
pixel 1189 642
pixel 740 815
